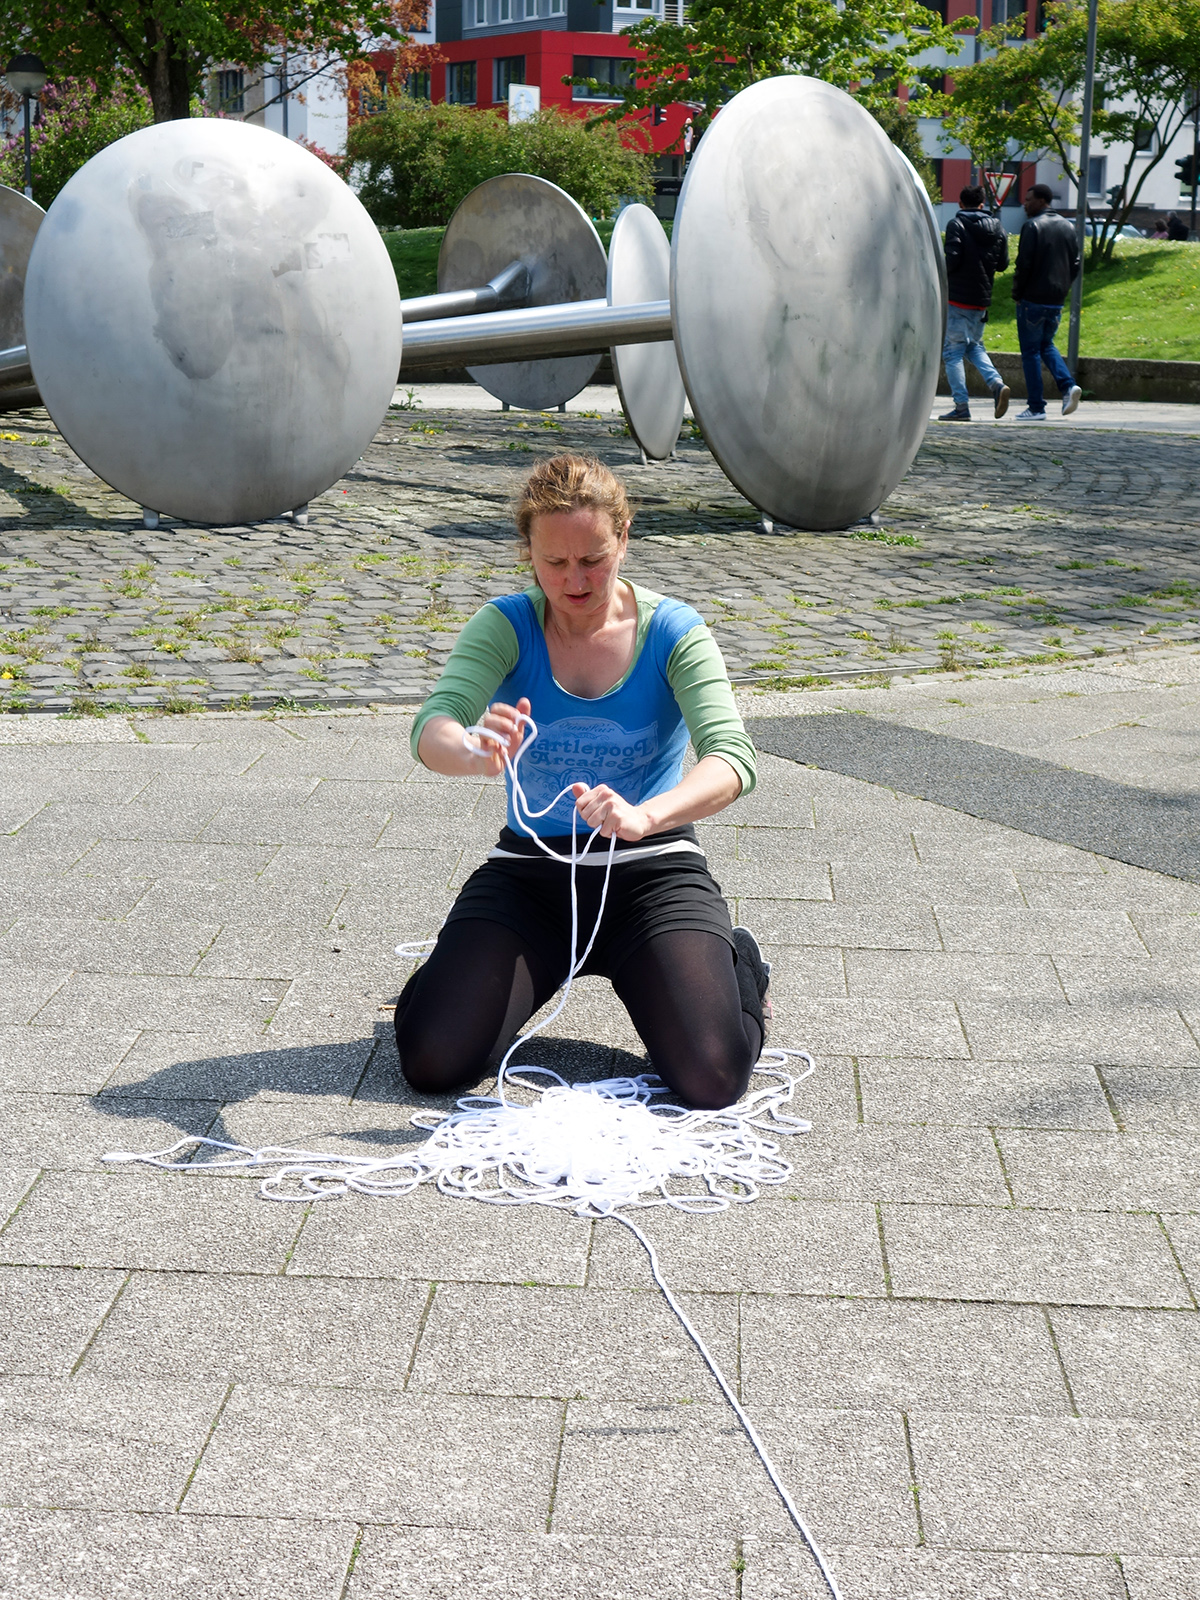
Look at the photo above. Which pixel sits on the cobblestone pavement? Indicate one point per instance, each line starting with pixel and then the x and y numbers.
pixel 998 548
pixel 966 1326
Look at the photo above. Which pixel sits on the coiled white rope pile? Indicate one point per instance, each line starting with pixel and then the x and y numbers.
pixel 595 1149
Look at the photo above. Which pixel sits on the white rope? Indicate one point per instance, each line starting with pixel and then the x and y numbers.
pixel 594 1149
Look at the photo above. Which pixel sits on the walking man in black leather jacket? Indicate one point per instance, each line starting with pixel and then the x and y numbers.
pixel 1047 264
pixel 976 249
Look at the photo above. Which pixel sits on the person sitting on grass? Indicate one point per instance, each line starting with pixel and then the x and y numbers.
pixel 617 679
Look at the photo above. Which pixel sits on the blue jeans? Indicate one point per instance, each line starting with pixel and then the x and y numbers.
pixel 964 337
pixel 1036 327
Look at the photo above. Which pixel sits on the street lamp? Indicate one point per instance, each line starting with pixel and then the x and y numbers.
pixel 26 75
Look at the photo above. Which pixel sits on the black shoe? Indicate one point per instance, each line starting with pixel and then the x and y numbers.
pixel 1001 396
pixel 959 414
pixel 754 978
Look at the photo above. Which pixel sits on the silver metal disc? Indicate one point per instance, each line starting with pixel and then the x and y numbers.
pixel 212 320
pixel 648 377
pixel 20 220
pixel 516 217
pixel 806 290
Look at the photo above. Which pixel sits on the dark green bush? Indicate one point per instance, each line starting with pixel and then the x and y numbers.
pixel 76 122
pixel 414 162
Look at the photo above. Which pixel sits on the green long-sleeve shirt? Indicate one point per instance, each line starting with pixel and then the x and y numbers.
pixel 486 652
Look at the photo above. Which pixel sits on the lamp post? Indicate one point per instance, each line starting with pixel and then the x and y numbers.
pixel 1081 188
pixel 26 75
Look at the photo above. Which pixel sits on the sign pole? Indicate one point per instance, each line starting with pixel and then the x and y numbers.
pixel 1081 188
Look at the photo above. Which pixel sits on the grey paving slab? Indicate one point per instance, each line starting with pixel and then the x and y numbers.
pixel 1161 1578
pixel 152 1002
pixel 951 839
pixel 428 1564
pixel 787 922
pixel 912 974
pixel 95 1555
pixel 885 1353
pixel 48 1315
pixel 1102 1171
pixel 334 954
pixel 775 1246
pixel 1104 1033
pixel 171 950
pixel 623 1345
pixel 911 1164
pixel 1116 885
pixel 966 1253
pixel 1017 931
pixel 60 1060
pixel 92 1443
pixel 69 894
pixel 426 1235
pixel 167 1065
pixel 1131 1363
pixel 798 973
pixel 191 863
pixel 1032 1483
pixel 244 1330
pixel 655 1468
pixel 278 825
pixel 444 1461
pixel 1171 980
pixel 778 879
pixel 786 1572
pixel 250 904
pixel 854 884
pixel 179 820
pixel 1056 1094
pixel 1164 933
pixel 872 1027
pixel 1156 1100
pixel 63 1131
pixel 1184 1233
pixel 1144 827
pixel 24 991
pixel 318 1010
pixel 159 1221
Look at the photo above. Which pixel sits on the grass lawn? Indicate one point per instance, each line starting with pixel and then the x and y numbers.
pixel 1144 303
pixel 414 253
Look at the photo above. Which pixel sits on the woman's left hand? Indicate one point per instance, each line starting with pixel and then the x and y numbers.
pixel 605 809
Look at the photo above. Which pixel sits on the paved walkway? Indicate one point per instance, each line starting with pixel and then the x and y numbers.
pixel 967 1326
pixel 995 550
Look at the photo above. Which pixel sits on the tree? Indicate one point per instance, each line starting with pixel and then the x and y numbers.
pixel 867 46
pixel 75 122
pixel 415 161
pixel 168 45
pixel 1024 101
pixel 900 122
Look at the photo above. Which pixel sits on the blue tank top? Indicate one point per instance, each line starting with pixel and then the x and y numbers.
pixel 633 738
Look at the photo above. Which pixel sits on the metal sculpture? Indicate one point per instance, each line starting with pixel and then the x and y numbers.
pixel 212 320
pixel 215 327
pixel 20 219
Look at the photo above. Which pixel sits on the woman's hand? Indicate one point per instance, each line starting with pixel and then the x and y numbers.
pixel 605 809
pixel 504 720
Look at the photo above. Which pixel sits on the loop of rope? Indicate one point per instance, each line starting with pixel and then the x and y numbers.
pixel 594 1149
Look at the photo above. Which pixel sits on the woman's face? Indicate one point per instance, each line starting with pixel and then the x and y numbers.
pixel 577 558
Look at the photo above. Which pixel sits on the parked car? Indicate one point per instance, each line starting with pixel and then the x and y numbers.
pixel 1127 232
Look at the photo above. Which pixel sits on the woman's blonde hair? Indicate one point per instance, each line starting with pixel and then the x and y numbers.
pixel 570 483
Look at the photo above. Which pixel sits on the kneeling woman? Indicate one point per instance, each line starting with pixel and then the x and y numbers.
pixel 617 679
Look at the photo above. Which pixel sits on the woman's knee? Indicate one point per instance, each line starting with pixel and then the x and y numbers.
pixel 429 1062
pixel 709 1075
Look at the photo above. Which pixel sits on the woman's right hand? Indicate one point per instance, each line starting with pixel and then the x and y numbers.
pixel 505 721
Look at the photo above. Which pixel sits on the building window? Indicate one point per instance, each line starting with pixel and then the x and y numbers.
pixel 612 74
pixel 1145 141
pixel 938 7
pixel 637 5
pixel 460 83
pixel 1097 174
pixel 417 85
pixel 509 69
pixel 230 86
pixel 1007 11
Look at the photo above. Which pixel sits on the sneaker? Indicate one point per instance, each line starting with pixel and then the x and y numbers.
pixel 751 963
pixel 1031 416
pixel 1071 400
pixel 959 414
pixel 1000 396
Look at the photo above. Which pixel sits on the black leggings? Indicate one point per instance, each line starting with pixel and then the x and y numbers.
pixel 459 1012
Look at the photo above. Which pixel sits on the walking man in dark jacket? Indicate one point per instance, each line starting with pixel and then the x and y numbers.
pixel 976 250
pixel 1047 264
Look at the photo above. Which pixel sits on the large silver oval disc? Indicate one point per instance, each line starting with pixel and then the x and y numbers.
pixel 807 297
pixel 212 320
pixel 516 217
pixel 20 220
pixel 648 377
